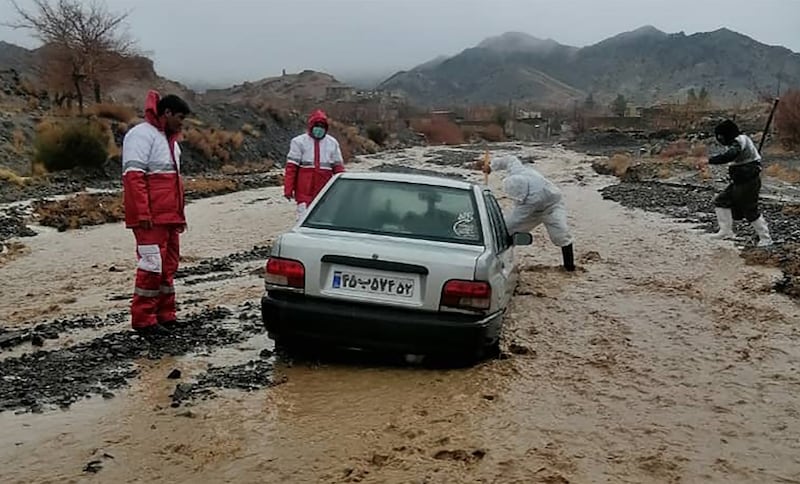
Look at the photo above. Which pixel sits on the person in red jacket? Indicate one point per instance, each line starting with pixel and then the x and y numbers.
pixel 314 157
pixel 154 209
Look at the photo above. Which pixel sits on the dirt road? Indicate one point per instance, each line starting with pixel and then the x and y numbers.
pixel 663 359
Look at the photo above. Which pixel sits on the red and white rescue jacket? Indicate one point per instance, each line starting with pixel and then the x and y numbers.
pixel 311 163
pixel 151 180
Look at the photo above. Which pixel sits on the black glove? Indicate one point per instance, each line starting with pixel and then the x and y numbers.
pixel 569 258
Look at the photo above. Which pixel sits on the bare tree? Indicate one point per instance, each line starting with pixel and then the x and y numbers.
pixel 85 37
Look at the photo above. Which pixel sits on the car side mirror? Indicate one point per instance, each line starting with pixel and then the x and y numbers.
pixel 522 238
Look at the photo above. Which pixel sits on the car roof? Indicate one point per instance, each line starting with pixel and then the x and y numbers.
pixel 441 181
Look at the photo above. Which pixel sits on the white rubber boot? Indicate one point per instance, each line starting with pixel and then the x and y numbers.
pixel 761 228
pixel 725 221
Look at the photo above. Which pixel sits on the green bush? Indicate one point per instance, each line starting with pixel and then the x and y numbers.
pixel 64 146
pixel 377 134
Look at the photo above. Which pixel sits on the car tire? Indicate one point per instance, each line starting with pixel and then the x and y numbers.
pixel 491 351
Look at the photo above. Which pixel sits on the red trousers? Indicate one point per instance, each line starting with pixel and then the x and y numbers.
pixel 158 255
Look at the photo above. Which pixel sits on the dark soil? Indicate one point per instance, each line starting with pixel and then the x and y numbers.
pixel 52 330
pixel 224 264
pixel 12 224
pixel 462 159
pixel 62 377
pixel 53 185
pixel 250 376
pixel 608 142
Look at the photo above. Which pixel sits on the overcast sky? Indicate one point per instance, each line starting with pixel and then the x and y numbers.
pixel 228 41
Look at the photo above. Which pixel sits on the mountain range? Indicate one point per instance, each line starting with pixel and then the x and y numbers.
pixel 646 65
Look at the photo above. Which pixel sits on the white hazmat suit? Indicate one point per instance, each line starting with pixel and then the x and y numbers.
pixel 537 201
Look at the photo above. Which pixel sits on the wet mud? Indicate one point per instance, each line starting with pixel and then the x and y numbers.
pixel 664 358
pixel 60 377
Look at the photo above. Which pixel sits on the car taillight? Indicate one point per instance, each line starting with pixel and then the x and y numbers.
pixel 285 272
pixel 467 294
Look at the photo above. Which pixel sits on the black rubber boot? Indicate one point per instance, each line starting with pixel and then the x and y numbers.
pixel 569 258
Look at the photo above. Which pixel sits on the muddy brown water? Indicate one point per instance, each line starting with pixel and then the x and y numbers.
pixel 663 359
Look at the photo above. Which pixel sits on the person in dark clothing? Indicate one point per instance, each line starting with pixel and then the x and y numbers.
pixel 739 200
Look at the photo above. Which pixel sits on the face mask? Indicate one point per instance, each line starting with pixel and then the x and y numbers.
pixel 318 132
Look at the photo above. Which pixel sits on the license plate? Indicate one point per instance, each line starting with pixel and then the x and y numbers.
pixel 373 284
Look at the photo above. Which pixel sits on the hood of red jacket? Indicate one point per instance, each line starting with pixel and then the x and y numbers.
pixel 152 117
pixel 151 109
pixel 316 117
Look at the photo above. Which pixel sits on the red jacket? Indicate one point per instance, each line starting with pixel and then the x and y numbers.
pixel 311 162
pixel 151 180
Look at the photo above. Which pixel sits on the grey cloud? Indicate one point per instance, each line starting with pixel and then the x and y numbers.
pixel 233 40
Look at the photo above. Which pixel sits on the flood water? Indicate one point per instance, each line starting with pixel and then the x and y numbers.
pixel 664 358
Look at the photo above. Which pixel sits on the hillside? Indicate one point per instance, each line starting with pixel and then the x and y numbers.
pixel 646 65
pixel 287 90
pixel 18 58
pixel 215 135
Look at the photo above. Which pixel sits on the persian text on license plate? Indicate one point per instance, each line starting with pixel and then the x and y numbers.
pixel 372 284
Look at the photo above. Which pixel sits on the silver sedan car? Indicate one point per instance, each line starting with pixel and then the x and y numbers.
pixel 394 262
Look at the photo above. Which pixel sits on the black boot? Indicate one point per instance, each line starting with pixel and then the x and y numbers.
pixel 569 258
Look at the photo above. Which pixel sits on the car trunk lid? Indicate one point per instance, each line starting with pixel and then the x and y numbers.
pixel 380 269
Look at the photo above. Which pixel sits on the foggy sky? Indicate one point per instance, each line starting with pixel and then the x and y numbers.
pixel 229 41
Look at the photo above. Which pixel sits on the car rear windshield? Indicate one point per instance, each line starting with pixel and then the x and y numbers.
pixel 410 210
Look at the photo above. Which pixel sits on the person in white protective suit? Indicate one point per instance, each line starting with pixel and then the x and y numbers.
pixel 537 201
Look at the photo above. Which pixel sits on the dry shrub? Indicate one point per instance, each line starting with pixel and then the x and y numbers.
pixel 204 187
pixel 214 143
pixel 676 149
pixel 71 144
pixel 38 169
pixel 493 133
pixel 699 151
pixel 377 134
pixel 117 112
pixel 350 140
pixel 620 163
pixel 787 119
pixel 81 210
pixel 439 131
pixel 7 175
pixel 792 210
pixel 114 151
pixel 26 86
pixel 12 251
pixel 279 115
pixel 18 140
pixel 347 149
pixel 65 111
pixel 249 130
pixel 776 149
pixel 789 175
pixel 249 167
